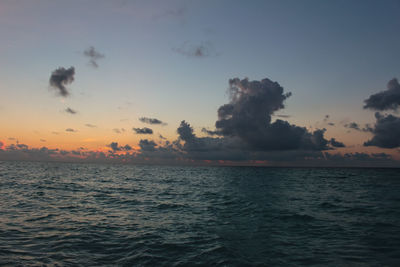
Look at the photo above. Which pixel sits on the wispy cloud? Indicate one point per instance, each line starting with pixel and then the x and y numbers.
pixel 200 50
pixel 93 56
pixel 70 111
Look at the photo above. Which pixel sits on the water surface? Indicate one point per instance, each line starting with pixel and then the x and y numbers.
pixel 91 215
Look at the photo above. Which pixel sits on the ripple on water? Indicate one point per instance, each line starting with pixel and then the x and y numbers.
pixel 90 214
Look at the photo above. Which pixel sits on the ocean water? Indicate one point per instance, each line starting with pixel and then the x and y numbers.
pixel 92 215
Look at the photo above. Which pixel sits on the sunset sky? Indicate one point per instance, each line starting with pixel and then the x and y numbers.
pixel 77 76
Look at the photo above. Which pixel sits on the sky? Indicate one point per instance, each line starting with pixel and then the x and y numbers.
pixel 274 83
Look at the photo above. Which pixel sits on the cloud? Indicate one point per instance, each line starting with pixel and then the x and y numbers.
pixel 248 117
pixel 60 78
pixel 93 56
pixel 144 130
pixel 352 125
pixel 151 121
pixel 114 146
pixel 386 132
pixel 331 124
pixel 90 125
pixel 210 132
pixel 335 143
pixel 202 50
pixel 70 130
pixel 385 100
pixel 70 110
pixel 42 140
pixel 147 145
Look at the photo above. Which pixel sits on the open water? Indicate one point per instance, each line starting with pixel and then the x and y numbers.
pixel 120 215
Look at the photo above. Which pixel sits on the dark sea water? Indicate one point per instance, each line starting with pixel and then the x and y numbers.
pixel 90 215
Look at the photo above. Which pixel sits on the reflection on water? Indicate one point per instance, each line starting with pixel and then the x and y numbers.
pixel 88 214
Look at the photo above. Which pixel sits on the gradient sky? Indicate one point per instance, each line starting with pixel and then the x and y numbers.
pixel 332 55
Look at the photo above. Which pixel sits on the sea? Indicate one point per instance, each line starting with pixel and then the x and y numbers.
pixel 76 214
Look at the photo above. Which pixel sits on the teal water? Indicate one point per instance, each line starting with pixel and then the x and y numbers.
pixel 92 215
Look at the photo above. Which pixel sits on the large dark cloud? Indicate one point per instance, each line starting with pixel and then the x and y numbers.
pixel 385 100
pixel 93 56
pixel 60 78
pixel 386 132
pixel 144 130
pixel 248 116
pixel 151 121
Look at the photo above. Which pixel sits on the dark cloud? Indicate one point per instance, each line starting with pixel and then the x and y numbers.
pixel 151 121
pixel 144 130
pixel 331 124
pixel 353 125
pixel 114 146
pixel 70 110
pixel 93 56
pixel 70 130
pixel 162 137
pixel 335 143
pixel 90 125
pixel 202 50
pixel 147 145
pixel 60 78
pixel 116 130
pixel 248 116
pixel 326 118
pixel 210 132
pixel 385 100
pixel 386 132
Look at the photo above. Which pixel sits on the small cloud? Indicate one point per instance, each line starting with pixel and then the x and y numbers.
pixel 352 125
pixel 60 78
pixel 202 50
pixel 70 111
pixel 42 140
pixel 114 146
pixel 93 56
pixel 56 133
pixel 11 138
pixel 90 125
pixel 70 130
pixel 144 130
pixel 151 121
pixel 116 130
